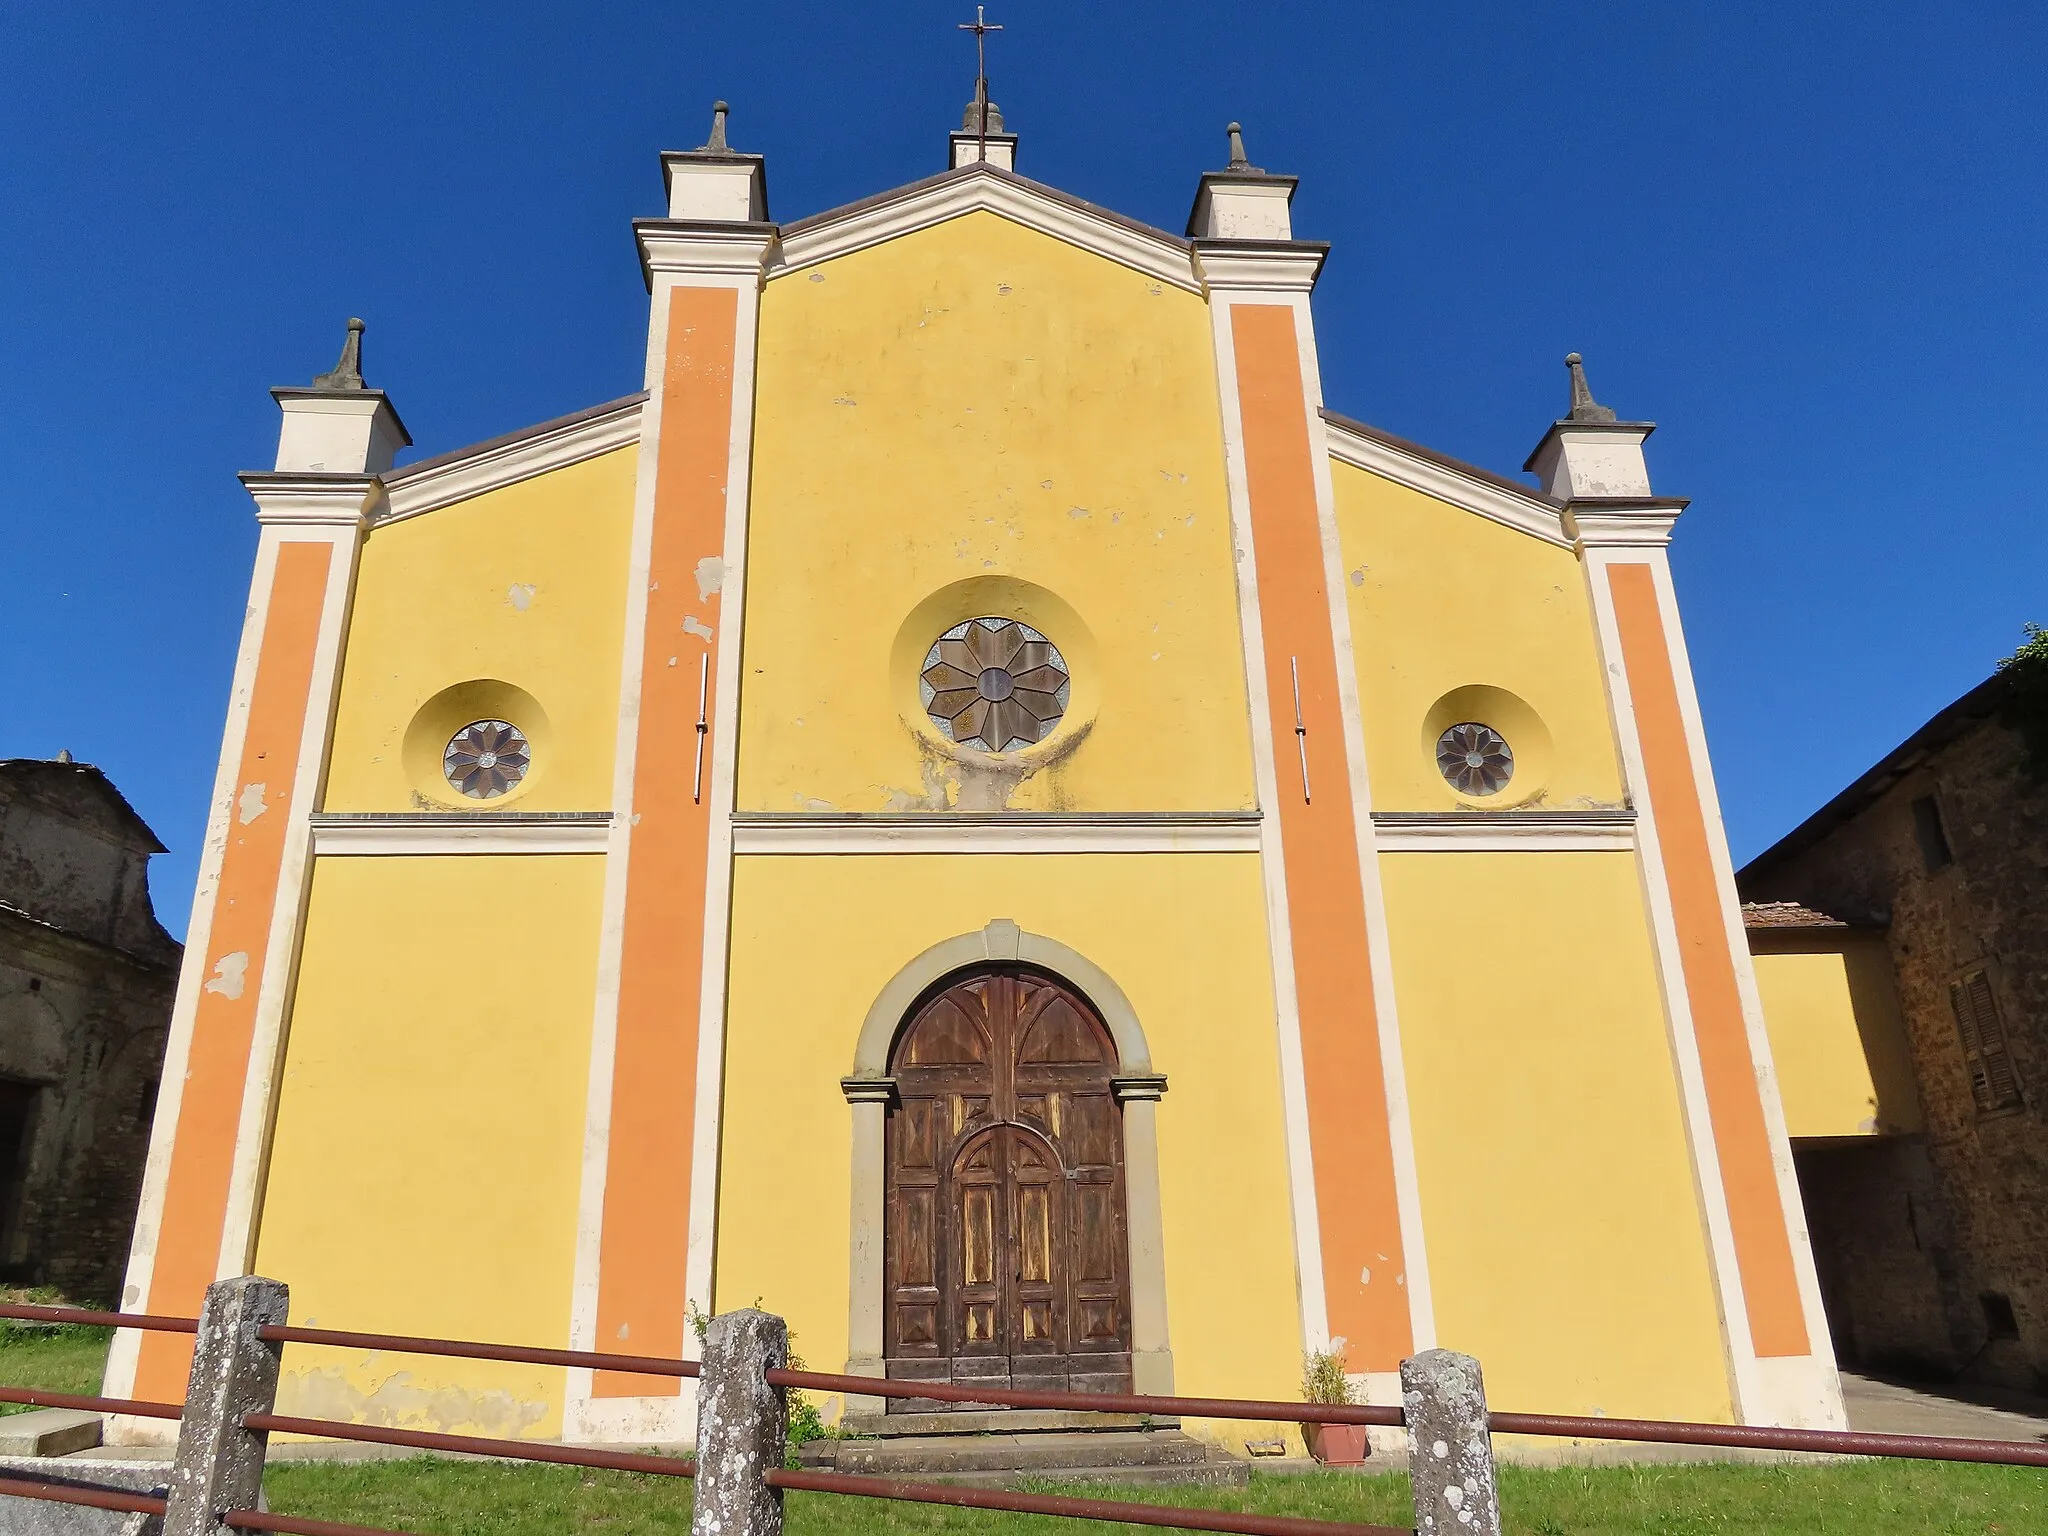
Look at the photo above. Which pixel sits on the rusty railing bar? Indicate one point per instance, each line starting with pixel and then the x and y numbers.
pixel 522 1354
pixel 27 1313
pixel 263 1520
pixel 474 1445
pixel 1078 1509
pixel 1093 1402
pixel 93 1498
pixel 40 1399
pixel 1840 1442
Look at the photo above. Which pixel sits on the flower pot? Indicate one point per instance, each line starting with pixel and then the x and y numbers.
pixel 1337 1445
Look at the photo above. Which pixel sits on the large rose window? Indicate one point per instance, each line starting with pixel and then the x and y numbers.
pixel 486 758
pixel 994 684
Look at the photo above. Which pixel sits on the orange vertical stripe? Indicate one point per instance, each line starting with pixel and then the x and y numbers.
pixel 1763 1246
pixel 1349 1135
pixel 210 1110
pixel 644 1246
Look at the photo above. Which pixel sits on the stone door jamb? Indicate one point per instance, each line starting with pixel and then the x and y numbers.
pixel 869 1089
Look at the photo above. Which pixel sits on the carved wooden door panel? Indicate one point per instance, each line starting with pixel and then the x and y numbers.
pixel 1007 1256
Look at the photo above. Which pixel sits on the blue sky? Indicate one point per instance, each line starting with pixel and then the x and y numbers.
pixel 1807 240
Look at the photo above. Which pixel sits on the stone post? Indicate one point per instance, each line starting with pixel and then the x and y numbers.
pixel 1450 1459
pixel 219 1465
pixel 742 1426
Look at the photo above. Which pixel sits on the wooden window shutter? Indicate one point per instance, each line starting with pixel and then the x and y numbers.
pixel 1993 1083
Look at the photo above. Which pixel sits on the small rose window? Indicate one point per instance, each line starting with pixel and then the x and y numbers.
pixel 1475 759
pixel 486 758
pixel 994 684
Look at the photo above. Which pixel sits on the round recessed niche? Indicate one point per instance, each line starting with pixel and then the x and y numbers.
pixel 995 656
pixel 476 744
pixel 1486 746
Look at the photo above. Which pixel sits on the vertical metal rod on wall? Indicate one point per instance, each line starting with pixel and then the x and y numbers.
pixel 703 725
pixel 1300 730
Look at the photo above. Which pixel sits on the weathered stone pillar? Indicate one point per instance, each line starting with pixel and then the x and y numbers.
pixel 1451 1449
pixel 742 1426
pixel 219 1465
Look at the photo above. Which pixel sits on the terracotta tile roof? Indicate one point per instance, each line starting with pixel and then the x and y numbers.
pixel 1785 914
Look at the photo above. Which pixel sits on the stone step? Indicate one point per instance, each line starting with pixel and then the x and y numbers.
pixel 992 1421
pixel 49 1432
pixel 1046 1454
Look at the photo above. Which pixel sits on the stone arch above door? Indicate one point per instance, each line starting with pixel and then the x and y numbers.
pixel 1138 1087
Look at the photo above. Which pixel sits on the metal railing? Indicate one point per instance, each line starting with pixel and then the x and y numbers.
pixel 743 1418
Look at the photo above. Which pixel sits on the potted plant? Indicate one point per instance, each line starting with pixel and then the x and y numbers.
pixel 1323 1381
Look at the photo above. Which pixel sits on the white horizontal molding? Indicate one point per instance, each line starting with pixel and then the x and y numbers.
pixel 827 832
pixel 1535 831
pixel 1530 514
pixel 373 833
pixel 504 461
pixel 981 188
pixel 1259 266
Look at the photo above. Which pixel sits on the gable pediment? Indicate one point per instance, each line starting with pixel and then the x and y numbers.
pixel 985 188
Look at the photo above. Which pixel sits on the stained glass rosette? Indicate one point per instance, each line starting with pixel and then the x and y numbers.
pixel 994 684
pixel 486 758
pixel 1474 759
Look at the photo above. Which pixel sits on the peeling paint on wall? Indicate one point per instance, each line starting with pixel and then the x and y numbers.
pixel 693 625
pixel 250 805
pixel 520 595
pixel 399 1402
pixel 230 973
pixel 710 577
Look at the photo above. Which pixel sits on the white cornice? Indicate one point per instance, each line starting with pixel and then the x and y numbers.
pixel 1530 514
pixel 1537 831
pixel 983 189
pixel 440 832
pixel 703 248
pixel 1622 523
pixel 506 461
pixel 308 499
pixel 996 832
pixel 1260 266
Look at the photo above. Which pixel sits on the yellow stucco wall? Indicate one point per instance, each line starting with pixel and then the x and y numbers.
pixel 1196 973
pixel 1564 1239
pixel 424 1172
pixel 1837 1039
pixel 1456 617
pixel 980 403
pixel 521 590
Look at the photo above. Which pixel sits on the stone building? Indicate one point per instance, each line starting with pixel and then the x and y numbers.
pixel 86 981
pixel 1929 1214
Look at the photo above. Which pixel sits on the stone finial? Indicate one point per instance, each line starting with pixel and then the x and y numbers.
pixel 1584 406
pixel 64 755
pixel 348 373
pixel 1239 161
pixel 970 119
pixel 716 145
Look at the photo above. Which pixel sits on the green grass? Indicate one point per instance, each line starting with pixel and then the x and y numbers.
pixel 66 1359
pixel 452 1498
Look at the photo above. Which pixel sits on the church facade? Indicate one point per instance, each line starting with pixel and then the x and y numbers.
pixel 974 812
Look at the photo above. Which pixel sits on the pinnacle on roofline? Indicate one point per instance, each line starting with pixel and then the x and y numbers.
pixel 716 145
pixel 347 374
pixel 1584 406
pixel 1239 161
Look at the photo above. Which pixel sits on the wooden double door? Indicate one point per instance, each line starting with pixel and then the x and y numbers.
pixel 1007 1256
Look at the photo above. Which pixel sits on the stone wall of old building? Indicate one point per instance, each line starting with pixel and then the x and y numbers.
pixel 86 983
pixel 1869 858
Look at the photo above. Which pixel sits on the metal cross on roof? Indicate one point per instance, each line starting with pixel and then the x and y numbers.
pixel 981 26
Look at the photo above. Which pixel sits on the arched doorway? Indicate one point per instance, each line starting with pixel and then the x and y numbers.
pixel 1006 1243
